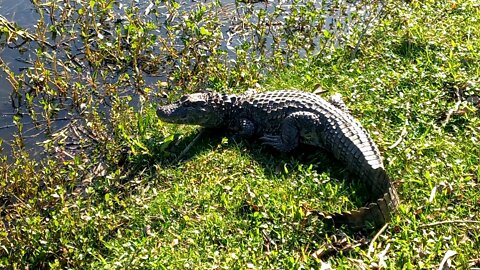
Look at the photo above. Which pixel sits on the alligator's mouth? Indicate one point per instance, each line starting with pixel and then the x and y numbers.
pixel 190 115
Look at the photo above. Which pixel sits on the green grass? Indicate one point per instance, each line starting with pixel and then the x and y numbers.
pixel 235 205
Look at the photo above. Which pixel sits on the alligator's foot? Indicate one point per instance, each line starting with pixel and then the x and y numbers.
pixel 276 142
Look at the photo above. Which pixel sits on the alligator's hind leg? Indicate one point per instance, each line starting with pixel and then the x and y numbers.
pixel 296 126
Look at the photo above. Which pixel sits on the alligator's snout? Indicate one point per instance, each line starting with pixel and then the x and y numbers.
pixel 163 112
pixel 192 109
pixel 175 113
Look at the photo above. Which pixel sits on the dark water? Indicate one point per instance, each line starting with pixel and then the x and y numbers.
pixel 22 12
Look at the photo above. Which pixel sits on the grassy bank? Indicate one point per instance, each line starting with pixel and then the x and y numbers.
pixel 123 200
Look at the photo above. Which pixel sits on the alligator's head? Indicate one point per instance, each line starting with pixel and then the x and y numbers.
pixel 195 109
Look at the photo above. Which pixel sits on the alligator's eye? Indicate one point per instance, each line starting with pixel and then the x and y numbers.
pixel 185 102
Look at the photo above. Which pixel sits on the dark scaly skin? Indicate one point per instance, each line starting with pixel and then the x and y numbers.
pixel 283 119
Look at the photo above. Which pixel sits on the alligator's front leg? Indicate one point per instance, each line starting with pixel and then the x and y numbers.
pixel 295 127
pixel 242 128
pixel 246 128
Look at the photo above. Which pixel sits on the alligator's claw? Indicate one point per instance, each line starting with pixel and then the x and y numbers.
pixel 272 140
pixel 276 142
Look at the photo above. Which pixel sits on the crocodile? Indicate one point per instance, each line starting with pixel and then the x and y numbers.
pixel 283 119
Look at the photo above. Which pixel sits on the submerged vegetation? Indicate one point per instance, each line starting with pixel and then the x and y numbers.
pixel 113 187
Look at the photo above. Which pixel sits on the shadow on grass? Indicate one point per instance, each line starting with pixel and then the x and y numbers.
pixel 409 48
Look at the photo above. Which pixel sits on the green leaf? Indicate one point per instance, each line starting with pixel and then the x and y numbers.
pixel 327 34
pixel 166 142
pixel 205 32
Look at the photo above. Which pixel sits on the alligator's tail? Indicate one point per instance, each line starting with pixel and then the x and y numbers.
pixel 378 212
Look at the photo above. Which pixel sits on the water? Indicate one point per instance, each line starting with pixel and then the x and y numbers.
pixel 20 11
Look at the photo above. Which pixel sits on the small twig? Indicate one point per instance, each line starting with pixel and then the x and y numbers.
pixel 319 90
pixel 445 264
pixel 23 34
pixel 42 131
pixel 370 247
pixel 40 122
pixel 449 222
pixel 189 145
pixel 7 126
pixel 451 112
pixel 404 129
pixel 6 225
pixel 364 32
pixel 402 135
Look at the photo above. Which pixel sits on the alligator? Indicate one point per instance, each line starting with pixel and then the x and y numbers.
pixel 284 119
